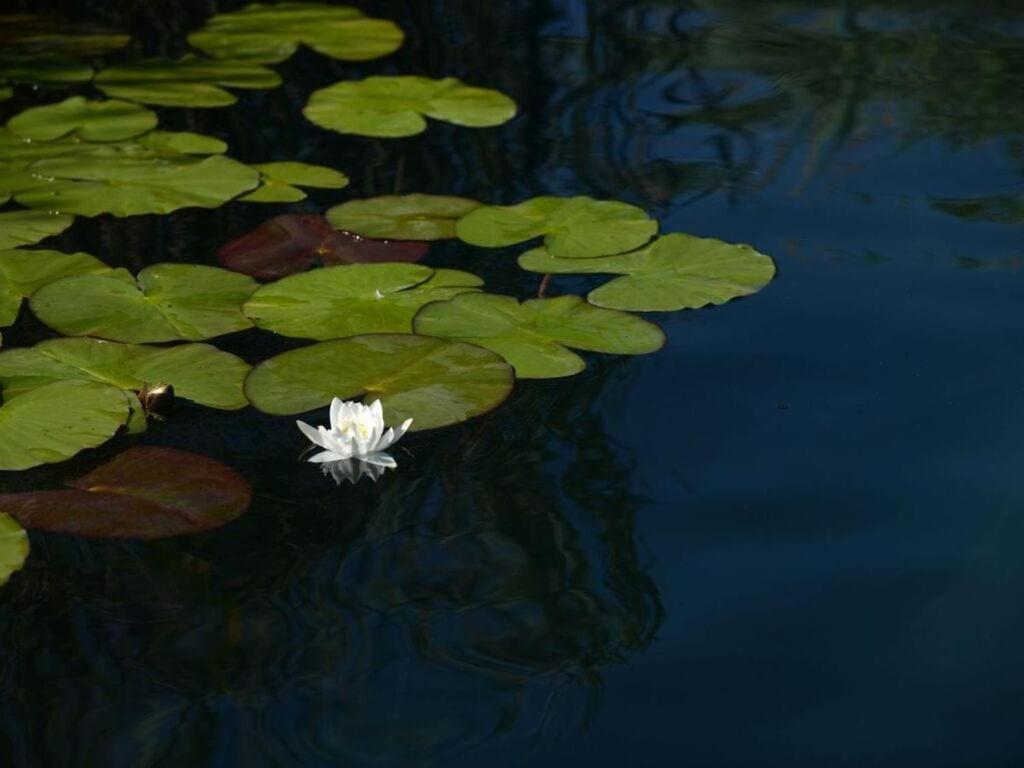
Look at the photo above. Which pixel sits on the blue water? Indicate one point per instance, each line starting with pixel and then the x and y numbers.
pixel 791 538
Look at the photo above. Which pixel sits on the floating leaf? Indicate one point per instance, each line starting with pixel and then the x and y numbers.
pixel 533 336
pixel 280 181
pixel 572 227
pixel 402 217
pixel 169 143
pixel 144 493
pixel 123 183
pixel 166 302
pixel 272 33
pixel 6 92
pixel 198 372
pixel 13 547
pixel 190 81
pixel 29 227
pixel 396 106
pixel 53 423
pixel 109 120
pixel 677 271
pixel 23 272
pixel 349 300
pixel 293 243
pixel 433 381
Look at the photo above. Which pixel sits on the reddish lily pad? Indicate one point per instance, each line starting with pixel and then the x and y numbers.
pixel 296 242
pixel 144 493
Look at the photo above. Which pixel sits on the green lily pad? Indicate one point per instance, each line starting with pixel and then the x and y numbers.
pixel 272 33
pixel 166 302
pixel 432 381
pixel 190 81
pixel 23 272
pixel 109 120
pixel 53 423
pixel 280 181
pixel 122 182
pixel 13 547
pixel 147 492
pixel 170 143
pixel 533 336
pixel 198 372
pixel 572 227
pixel 390 107
pixel 402 217
pixel 29 227
pixel 333 302
pixel 677 271
pixel 6 92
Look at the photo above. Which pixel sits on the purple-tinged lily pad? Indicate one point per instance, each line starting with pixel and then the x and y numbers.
pixel 146 492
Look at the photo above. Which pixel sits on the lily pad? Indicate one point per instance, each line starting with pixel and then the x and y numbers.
pixel 402 217
pixel 190 81
pixel 432 381
pixel 533 336
pixel 53 423
pixel 104 120
pixel 23 272
pixel 198 372
pixel 122 182
pixel 280 181
pixel 572 227
pixel 391 107
pixel 345 301
pixel 13 547
pixel 677 271
pixel 144 493
pixel 166 302
pixel 6 92
pixel 29 227
pixel 272 33
pixel 292 243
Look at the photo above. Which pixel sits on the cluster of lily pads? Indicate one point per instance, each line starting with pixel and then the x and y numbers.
pixel 433 345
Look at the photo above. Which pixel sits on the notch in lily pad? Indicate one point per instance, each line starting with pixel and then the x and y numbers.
pixel 145 492
pixel 272 33
pixel 675 272
pixel 23 272
pixel 280 181
pixel 402 217
pixel 432 381
pixel 536 336
pixel 165 302
pixel 572 227
pixel 292 243
pixel 396 106
pixel 89 120
pixel 342 301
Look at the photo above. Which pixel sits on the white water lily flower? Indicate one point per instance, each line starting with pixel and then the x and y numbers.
pixel 357 432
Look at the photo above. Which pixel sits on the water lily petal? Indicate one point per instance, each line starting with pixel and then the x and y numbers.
pixel 311 433
pixel 323 456
pixel 336 404
pixel 392 436
pixel 380 460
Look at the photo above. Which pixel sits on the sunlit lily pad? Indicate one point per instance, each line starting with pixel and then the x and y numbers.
pixel 23 272
pixel 572 227
pixel 144 493
pixel 280 181
pixel 272 33
pixel 13 547
pixel 104 120
pixel 54 422
pixel 349 300
pixel 402 217
pixel 166 302
pixel 29 227
pixel 121 182
pixel 533 336
pixel 432 381
pixel 390 107
pixel 190 81
pixel 677 271
pixel 198 372
pixel 292 243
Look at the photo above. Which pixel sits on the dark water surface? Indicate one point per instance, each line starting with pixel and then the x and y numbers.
pixel 792 538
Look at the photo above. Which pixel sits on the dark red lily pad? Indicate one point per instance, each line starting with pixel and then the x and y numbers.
pixel 144 493
pixel 296 242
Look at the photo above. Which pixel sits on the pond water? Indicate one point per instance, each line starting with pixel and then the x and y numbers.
pixel 791 537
